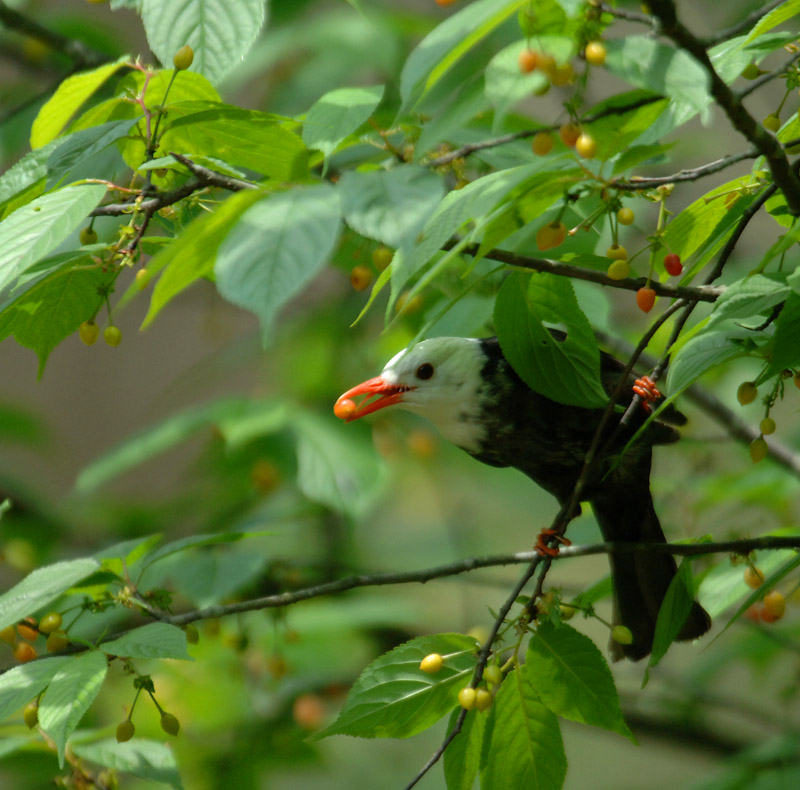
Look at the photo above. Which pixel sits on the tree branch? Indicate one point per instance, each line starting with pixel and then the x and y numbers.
pixel 80 54
pixel 702 293
pixel 765 78
pixel 730 103
pixel 740 27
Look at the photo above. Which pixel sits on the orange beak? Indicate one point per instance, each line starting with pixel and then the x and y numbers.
pixel 387 395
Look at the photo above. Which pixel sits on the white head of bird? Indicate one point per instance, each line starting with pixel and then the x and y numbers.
pixel 440 379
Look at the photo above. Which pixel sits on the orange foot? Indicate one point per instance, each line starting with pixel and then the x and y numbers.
pixel 541 542
pixel 646 389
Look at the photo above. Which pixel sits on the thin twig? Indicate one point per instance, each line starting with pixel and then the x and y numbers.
pixel 740 27
pixel 630 16
pixel 702 293
pixel 765 78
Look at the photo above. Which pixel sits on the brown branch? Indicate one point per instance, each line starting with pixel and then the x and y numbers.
pixel 78 52
pixel 730 103
pixel 470 148
pixel 630 16
pixel 702 293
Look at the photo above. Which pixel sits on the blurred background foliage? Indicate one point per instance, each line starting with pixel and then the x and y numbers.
pixel 260 451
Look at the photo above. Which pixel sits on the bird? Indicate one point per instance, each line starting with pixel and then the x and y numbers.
pixel 471 393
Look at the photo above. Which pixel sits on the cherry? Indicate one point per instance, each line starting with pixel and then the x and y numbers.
pixel 625 216
pixel 569 133
pixel 561 75
pixel 467 698
pixel 142 279
pixel 586 146
pixel 183 58
pixel 746 393
pixel 772 123
pixel 673 265
pixel 527 61
pixel 753 577
pixel 758 450
pixel 645 298
pixel 483 699
pixel 595 53
pixel 622 635
pixel 774 605
pixel 308 711
pixel 112 336
pixel 88 236
pixel 31 715
pixel 381 258
pixel 27 629
pixel 551 235
pixel 547 64
pixel 542 143
pixel 170 724
pixel 24 652
pixel 192 634
pixel 360 277
pixel 619 269
pixel 56 642
pixel 88 332
pixel 8 635
pixel 492 674
pixel 767 427
pixel 344 408
pixel 125 731
pixel 50 622
pixel 750 71
pixel 431 663
pixel 617 253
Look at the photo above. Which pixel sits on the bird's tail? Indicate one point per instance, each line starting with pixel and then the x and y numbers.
pixel 640 579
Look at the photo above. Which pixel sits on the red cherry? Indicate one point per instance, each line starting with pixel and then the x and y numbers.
pixel 645 298
pixel 673 265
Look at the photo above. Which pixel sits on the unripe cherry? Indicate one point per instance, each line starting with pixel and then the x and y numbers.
pixel 569 134
pixel 542 143
pixel 645 299
pixel 746 393
pixel 170 724
pixel 492 674
pixel 31 715
pixel 758 450
pixel 619 269
pixel 595 53
pixel 775 604
pixel 625 216
pixel 617 253
pixel 50 622
pixel 483 700
pixel 527 61
pixel 183 58
pixel 767 427
pixel 125 731
pixel 622 635
pixel 88 332
pixel 467 697
pixel 586 146
pixel 432 663
pixel 753 577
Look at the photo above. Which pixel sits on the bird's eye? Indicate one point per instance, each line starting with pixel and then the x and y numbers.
pixel 425 371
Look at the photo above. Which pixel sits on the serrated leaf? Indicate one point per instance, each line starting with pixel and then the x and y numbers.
pixel 192 255
pixel 219 33
pixel 36 229
pixel 243 138
pixel 275 248
pixel 41 586
pixel 142 757
pixel 566 371
pixel 82 146
pixel 786 342
pixel 463 756
pixel 572 678
pixel 524 747
pixel 774 18
pixel 615 132
pixel 674 610
pixel 447 43
pixel 390 206
pixel 52 309
pixel 750 296
pixel 67 100
pixel 69 695
pixel 394 698
pixel 698 356
pixel 338 114
pixel 157 439
pixel 335 466
pixel 154 640
pixel 20 684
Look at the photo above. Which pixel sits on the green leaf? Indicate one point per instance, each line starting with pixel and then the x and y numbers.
pixel 446 44
pixel 750 296
pixel 566 371
pixel 645 63
pixel 242 138
pixel 81 146
pixel 67 100
pixel 390 206
pixel 219 33
pixel 775 17
pixel 275 249
pixel 786 342
pixel 338 114
pixel 20 684
pixel 191 256
pixel 31 169
pixel 572 678
pixel 463 756
pixel 147 759
pixel 156 440
pixel 69 695
pixel 52 309
pixel 525 747
pixel 39 227
pixel 195 541
pixel 336 466
pixel 674 610
pixel 698 356
pixel 394 698
pixel 154 640
pixel 42 586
